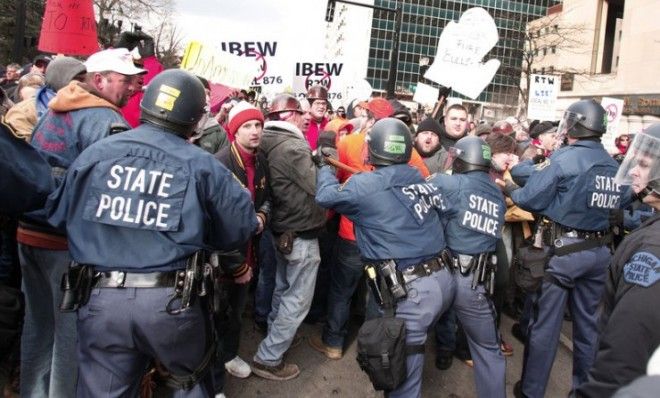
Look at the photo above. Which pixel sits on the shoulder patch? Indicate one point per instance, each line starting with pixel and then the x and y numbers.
pixel 643 269
pixel 543 164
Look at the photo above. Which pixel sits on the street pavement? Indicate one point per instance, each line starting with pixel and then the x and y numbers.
pixel 321 377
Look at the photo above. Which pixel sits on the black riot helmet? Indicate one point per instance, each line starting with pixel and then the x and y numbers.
pixel 389 142
pixel 175 100
pixel 583 119
pixel 470 153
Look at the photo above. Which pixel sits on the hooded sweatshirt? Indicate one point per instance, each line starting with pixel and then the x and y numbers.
pixel 77 118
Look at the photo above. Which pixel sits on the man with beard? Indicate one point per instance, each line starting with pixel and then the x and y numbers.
pixel 455 125
pixel 427 143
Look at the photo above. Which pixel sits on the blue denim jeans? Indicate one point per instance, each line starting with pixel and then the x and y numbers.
pixel 48 345
pixel 344 280
pixel 267 265
pixel 292 298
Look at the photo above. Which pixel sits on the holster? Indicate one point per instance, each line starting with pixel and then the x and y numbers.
pixel 397 288
pixel 76 286
pixel 530 264
pixel 195 281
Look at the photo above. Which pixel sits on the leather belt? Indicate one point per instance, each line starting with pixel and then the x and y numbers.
pixel 121 279
pixel 426 268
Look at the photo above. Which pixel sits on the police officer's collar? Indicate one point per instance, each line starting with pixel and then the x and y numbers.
pixel 588 143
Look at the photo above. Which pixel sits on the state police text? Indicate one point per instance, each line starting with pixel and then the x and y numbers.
pixel 609 195
pixel 425 196
pixel 482 215
pixel 144 212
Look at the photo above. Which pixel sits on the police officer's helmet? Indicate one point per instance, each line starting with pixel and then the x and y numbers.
pixel 470 153
pixel 584 118
pixel 175 100
pixel 317 92
pixel 283 103
pixel 642 162
pixel 389 142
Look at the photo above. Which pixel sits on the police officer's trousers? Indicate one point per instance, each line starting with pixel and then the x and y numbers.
pixel 476 313
pixel 121 330
pixel 580 276
pixel 428 297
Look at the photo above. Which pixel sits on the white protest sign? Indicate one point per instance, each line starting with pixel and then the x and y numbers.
pixel 461 48
pixel 614 109
pixel 218 66
pixel 426 95
pixel 358 88
pixel 542 104
pixel 271 66
pixel 329 74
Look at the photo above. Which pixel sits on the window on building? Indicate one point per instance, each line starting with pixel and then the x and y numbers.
pixel 551 70
pixel 553 49
pixel 545 51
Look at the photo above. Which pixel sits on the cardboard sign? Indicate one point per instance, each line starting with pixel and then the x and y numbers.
pixel 614 109
pixel 543 90
pixel 218 66
pixel 426 95
pixel 461 48
pixel 329 74
pixel 69 28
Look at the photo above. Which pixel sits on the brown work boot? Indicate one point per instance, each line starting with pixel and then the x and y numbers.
pixel 281 372
pixel 331 352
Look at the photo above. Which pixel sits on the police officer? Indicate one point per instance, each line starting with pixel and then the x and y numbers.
pixel 136 207
pixel 396 215
pixel 575 190
pixel 630 319
pixel 474 221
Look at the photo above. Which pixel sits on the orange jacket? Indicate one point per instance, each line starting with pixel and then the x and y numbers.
pixel 352 151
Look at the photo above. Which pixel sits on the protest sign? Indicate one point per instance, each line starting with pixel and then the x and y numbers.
pixel 542 104
pixel 426 95
pixel 614 109
pixel 218 66
pixel 270 65
pixel 328 74
pixel 357 89
pixel 461 48
pixel 69 28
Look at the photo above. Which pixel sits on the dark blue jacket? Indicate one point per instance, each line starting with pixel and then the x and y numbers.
pixel 395 212
pixel 574 187
pixel 475 211
pixel 145 200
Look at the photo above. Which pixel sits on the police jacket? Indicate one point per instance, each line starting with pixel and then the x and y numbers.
pixel 630 321
pixel 77 118
pixel 474 213
pixel 292 181
pixel 145 200
pixel 396 214
pixel 574 187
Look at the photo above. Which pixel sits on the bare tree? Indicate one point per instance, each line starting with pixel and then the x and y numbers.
pixel 113 14
pixel 168 43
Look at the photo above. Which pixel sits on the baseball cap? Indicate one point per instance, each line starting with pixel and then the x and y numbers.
pixel 117 60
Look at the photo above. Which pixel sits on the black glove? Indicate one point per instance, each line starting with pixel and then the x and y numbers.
pixel 146 47
pixel 538 159
pixel 128 40
pixel 616 217
pixel 510 186
pixel 327 139
pixel 319 159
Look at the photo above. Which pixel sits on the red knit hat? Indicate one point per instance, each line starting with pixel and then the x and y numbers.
pixel 241 113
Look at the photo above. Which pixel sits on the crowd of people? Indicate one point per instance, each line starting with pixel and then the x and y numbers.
pixel 138 222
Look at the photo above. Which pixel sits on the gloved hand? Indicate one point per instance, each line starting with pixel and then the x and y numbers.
pixel 538 159
pixel 128 40
pixel 146 47
pixel 507 186
pixel 616 217
pixel 327 139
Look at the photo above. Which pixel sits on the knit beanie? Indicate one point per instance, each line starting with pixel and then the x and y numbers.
pixel 541 128
pixel 241 113
pixel 62 70
pixel 501 143
pixel 430 124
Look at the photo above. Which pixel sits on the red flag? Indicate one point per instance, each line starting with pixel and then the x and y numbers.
pixel 69 28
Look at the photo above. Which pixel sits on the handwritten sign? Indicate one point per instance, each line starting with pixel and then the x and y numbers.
pixel 218 66
pixel 461 48
pixel 614 109
pixel 543 90
pixel 69 28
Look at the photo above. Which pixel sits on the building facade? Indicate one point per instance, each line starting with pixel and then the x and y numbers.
pixel 614 51
pixel 422 25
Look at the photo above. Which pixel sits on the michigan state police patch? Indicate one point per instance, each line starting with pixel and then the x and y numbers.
pixel 643 269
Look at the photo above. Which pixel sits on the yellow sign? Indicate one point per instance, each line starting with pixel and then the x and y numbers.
pixel 218 66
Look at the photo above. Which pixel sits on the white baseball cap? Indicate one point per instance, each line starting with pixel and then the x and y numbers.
pixel 117 60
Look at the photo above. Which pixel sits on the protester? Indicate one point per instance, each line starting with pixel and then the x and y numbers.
pixel 209 134
pixel 454 125
pixel 317 96
pixel 543 142
pixel 40 63
pixel 622 142
pixel 296 222
pixel 80 114
pixel 10 81
pixel 28 85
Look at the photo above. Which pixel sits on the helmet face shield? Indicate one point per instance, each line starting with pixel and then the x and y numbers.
pixel 641 166
pixel 568 122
